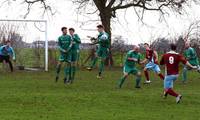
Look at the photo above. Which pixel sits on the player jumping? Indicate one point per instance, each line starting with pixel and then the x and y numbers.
pixel 191 55
pixel 152 59
pixel 64 46
pixel 102 50
pixel 171 61
pixel 5 52
pixel 132 57
pixel 74 51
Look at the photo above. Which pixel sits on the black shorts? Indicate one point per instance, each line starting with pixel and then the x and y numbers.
pixel 4 58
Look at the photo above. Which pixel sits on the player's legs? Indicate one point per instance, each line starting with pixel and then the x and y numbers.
pixel 10 65
pixel 101 66
pixel 138 79
pixel 73 65
pixel 58 68
pixel 73 70
pixel 148 66
pixel 93 62
pixel 67 67
pixel 168 86
pixel 123 78
pixel 184 74
pixel 103 54
pixel 7 60
pixel 1 59
pixel 158 71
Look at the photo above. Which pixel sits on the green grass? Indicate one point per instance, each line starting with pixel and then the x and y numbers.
pixel 35 96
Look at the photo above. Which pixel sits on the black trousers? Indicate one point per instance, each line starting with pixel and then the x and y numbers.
pixel 7 60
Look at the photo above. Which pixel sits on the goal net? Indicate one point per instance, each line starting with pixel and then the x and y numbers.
pixel 29 40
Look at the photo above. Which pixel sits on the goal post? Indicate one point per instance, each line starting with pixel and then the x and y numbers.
pixel 44 32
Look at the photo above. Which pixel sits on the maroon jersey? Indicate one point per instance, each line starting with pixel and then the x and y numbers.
pixel 150 55
pixel 171 61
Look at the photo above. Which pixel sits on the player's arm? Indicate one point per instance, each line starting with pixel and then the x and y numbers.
pixel 156 56
pixel 70 45
pixel 144 61
pixel 59 46
pixel 184 61
pixel 130 58
pixel 13 54
pixel 77 39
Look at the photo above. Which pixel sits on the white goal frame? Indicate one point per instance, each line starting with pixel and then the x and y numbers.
pixel 45 32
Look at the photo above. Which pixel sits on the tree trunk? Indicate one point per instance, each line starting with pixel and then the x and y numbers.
pixel 106 21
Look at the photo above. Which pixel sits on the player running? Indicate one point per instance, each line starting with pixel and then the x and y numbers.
pixel 5 52
pixel 74 51
pixel 152 63
pixel 132 57
pixel 171 61
pixel 102 50
pixel 64 46
pixel 191 55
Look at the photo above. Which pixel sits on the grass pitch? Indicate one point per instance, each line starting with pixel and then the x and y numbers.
pixel 36 96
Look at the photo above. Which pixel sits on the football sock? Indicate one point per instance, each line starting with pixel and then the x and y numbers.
pixel 67 71
pixel 101 66
pixel 73 70
pixel 171 92
pixel 94 62
pixel 121 81
pixel 161 76
pixel 184 74
pixel 58 67
pixel 138 79
pixel 10 65
pixel 146 75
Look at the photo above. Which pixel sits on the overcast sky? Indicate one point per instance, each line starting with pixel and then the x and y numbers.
pixel 126 25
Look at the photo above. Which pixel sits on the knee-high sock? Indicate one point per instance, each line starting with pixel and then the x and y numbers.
pixel 161 76
pixel 171 92
pixel 101 67
pixel 58 67
pixel 184 74
pixel 138 79
pixel 94 62
pixel 73 71
pixel 146 75
pixel 121 81
pixel 67 71
pixel 10 65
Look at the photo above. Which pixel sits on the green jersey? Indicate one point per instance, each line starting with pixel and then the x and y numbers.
pixel 191 55
pixel 132 54
pixel 64 43
pixel 76 39
pixel 103 40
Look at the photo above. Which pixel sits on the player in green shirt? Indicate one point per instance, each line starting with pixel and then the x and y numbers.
pixel 132 57
pixel 191 55
pixel 64 46
pixel 76 41
pixel 102 52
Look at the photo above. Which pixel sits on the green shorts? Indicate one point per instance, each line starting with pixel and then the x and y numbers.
pixel 130 70
pixel 65 57
pixel 103 52
pixel 74 55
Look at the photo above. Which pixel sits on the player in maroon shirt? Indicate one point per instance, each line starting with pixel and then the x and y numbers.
pixel 171 61
pixel 152 63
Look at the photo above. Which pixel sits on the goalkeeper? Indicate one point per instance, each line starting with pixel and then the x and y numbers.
pixel 5 52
